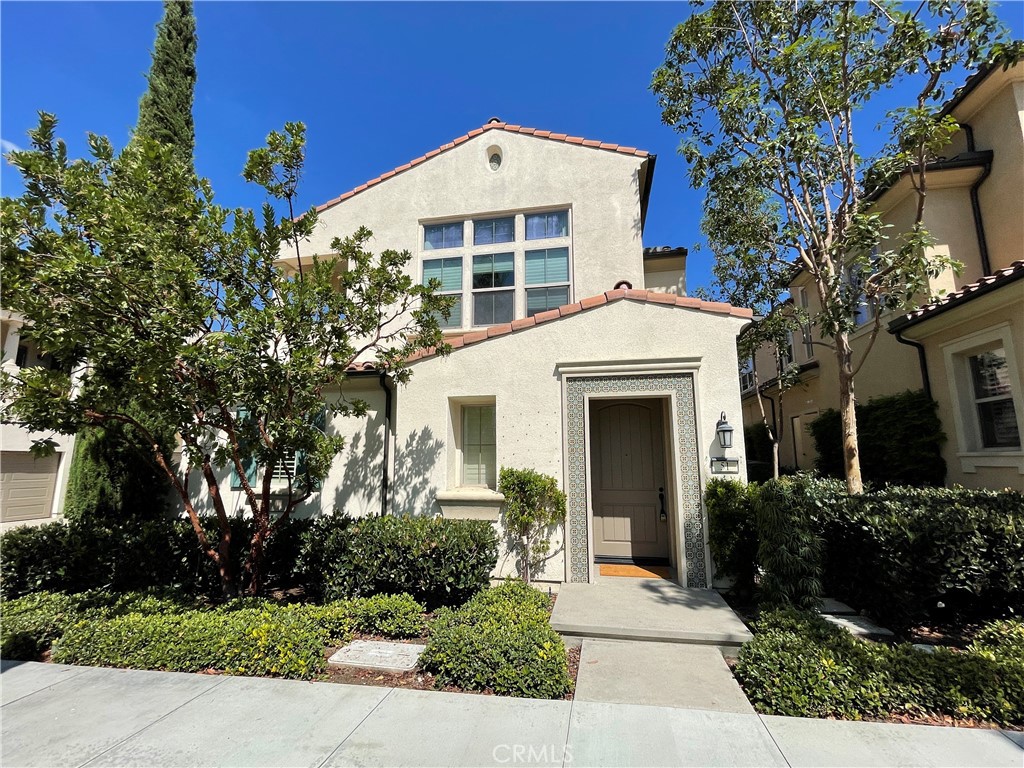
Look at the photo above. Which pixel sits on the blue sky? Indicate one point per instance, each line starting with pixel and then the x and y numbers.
pixel 377 84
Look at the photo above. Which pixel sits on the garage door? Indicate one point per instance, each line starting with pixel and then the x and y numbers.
pixel 26 486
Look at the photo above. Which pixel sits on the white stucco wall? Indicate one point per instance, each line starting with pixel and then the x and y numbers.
pixel 518 371
pixel 600 188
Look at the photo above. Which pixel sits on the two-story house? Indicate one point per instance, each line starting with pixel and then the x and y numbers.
pixel 576 352
pixel 965 348
pixel 31 489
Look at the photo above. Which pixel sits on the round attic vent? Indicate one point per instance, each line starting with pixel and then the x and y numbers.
pixel 494 157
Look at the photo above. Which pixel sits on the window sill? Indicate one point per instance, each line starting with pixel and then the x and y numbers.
pixel 470 503
pixel 971 460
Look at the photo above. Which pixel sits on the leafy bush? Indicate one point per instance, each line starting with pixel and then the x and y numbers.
pixel 732 531
pixel 436 561
pixel 920 555
pixel 389 615
pixel 280 642
pixel 32 623
pixel 789 549
pixel 82 555
pixel 900 439
pixel 500 640
pixel 801 665
pixel 534 504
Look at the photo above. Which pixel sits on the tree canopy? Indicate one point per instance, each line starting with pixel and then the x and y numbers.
pixel 769 100
pixel 156 297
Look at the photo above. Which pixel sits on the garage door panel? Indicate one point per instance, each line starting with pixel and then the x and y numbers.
pixel 26 486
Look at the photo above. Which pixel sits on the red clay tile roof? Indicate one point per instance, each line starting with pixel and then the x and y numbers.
pixel 496 126
pixel 1001 277
pixel 600 299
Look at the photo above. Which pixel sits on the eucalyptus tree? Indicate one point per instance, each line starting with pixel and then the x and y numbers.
pixel 769 98
pixel 196 322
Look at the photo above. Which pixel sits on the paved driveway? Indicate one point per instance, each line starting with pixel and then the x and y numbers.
pixel 55 715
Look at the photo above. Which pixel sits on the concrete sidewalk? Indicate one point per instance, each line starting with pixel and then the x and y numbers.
pixel 56 715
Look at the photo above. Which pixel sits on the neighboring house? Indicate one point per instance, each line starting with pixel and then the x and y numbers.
pixel 966 348
pixel 31 489
pixel 563 360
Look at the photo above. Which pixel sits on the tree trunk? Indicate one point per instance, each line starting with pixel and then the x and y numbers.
pixel 848 415
pixel 526 559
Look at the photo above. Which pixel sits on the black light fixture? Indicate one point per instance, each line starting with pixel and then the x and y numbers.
pixel 724 431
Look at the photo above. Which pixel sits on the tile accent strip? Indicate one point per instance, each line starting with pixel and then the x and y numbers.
pixel 688 472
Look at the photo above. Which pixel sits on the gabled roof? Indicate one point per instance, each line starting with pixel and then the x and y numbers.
pixel 1001 277
pixel 495 125
pixel 608 297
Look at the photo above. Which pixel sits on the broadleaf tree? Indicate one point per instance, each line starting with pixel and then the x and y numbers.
pixel 769 98
pixel 197 322
pixel 112 473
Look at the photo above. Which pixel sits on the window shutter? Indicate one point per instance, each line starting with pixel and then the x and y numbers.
pixel 249 463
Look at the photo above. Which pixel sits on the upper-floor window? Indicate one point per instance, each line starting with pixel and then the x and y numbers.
pixel 437 236
pixel 493 288
pixel 497 287
pixel 547 279
pixel 993 399
pixel 544 225
pixel 805 327
pixel 747 374
pixel 491 231
pixel 449 273
pixel 786 351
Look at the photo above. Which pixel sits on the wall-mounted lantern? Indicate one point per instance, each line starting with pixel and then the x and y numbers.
pixel 723 464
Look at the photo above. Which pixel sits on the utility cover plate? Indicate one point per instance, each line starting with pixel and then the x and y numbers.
pixel 375 654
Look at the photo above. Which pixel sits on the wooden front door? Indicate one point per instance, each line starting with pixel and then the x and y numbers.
pixel 627 468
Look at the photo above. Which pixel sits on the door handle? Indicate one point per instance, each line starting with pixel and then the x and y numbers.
pixel 661 499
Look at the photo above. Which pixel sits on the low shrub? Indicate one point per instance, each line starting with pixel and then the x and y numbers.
pixel 29 625
pixel 732 531
pixel 397 616
pixel 900 438
pixel 801 665
pixel 436 561
pixel 534 505
pixel 278 642
pixel 500 641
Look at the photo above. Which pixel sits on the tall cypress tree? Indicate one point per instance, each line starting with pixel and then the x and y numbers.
pixel 112 477
pixel 165 111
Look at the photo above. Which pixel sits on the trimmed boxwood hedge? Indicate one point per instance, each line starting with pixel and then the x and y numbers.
pixel 800 665
pixel 437 561
pixel 906 556
pixel 500 641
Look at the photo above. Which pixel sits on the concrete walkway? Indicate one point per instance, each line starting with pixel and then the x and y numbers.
pixel 55 715
pixel 647 609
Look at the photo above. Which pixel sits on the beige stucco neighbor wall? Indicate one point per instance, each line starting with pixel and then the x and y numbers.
pixel 518 372
pixel 948 339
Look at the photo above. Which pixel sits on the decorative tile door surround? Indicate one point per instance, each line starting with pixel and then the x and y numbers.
pixel 684 425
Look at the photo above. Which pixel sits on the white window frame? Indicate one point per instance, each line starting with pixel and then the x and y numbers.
pixel 459 293
pixel 566 284
pixel 456 457
pixel 512 289
pixel 805 328
pixel 518 247
pixel 957 356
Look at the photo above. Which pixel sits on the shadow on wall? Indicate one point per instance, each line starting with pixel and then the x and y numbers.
pixel 412 493
pixel 358 493
pixel 511 562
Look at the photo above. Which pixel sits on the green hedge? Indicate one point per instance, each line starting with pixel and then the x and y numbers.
pixel 801 665
pixel 32 623
pixel 500 641
pixel 906 556
pixel 437 561
pixel 789 547
pixel 82 555
pixel 900 438
pixel 732 531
